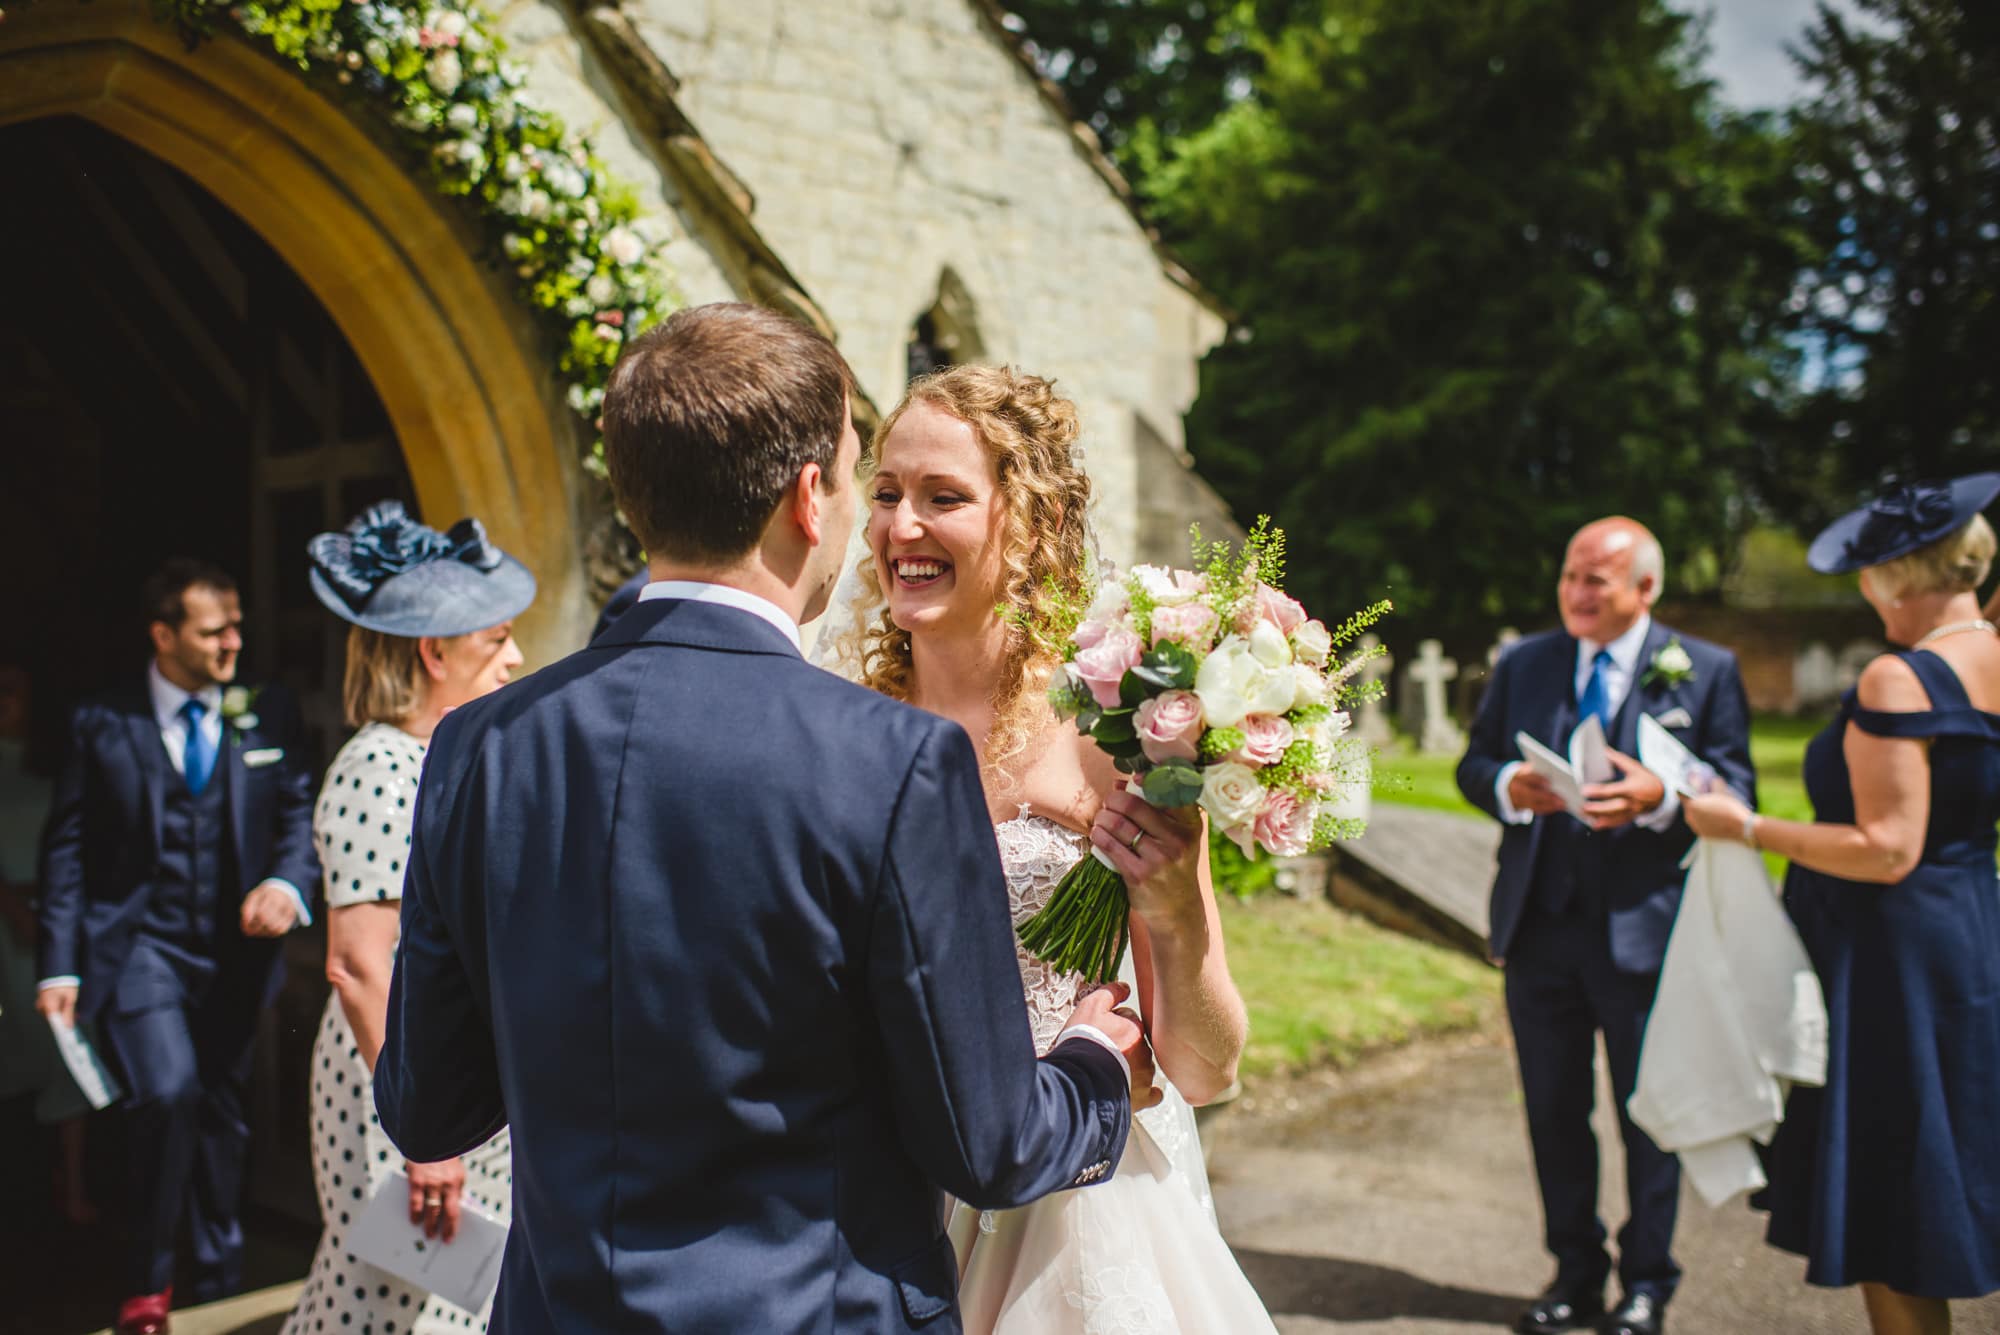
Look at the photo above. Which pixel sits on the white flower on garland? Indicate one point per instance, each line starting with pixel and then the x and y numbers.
pixel 463 117
pixel 624 245
pixel 564 178
pixel 445 73
pixel 602 289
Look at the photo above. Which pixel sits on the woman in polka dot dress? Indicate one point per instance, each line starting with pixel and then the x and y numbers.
pixel 432 630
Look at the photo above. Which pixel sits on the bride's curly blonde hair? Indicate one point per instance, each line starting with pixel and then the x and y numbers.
pixel 1029 431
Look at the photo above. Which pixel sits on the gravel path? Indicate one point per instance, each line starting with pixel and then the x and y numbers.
pixel 1402 1200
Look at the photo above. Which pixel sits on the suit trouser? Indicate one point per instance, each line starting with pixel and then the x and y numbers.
pixel 1562 989
pixel 186 1067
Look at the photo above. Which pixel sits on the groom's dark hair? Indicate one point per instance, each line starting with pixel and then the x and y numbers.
pixel 709 417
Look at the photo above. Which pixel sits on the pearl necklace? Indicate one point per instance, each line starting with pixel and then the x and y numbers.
pixel 1954 628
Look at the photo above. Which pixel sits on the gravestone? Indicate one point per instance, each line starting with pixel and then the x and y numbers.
pixel 1430 674
pixel 1815 678
pixel 1371 720
pixel 1501 644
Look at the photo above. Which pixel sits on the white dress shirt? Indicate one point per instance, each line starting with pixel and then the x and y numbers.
pixel 167 702
pixel 697 591
pixel 1619 674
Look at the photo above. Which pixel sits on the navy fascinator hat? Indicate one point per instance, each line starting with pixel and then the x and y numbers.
pixel 1914 515
pixel 388 573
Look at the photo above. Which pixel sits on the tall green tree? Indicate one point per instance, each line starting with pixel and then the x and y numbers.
pixel 1506 267
pixel 1144 72
pixel 1898 163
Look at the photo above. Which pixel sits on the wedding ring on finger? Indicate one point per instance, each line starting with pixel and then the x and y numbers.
pixel 1137 835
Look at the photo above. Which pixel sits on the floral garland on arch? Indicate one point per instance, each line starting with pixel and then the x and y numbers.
pixel 568 230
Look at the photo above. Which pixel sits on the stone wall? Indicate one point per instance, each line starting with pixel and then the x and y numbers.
pixel 886 141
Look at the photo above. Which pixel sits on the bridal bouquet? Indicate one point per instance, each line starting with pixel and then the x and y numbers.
pixel 1214 689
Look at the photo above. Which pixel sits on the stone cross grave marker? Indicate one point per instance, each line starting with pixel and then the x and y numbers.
pixel 1430 673
pixel 1815 677
pixel 1501 644
pixel 1371 723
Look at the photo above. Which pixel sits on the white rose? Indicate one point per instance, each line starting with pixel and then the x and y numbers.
pixel 1273 692
pixel 601 289
pixel 1224 682
pixel 624 245
pixel 1109 606
pixel 462 117
pixel 1673 659
pixel 451 23
pixel 1268 646
pixel 512 168
pixel 1308 687
pixel 535 204
pixel 235 700
pixel 1230 793
pixel 445 73
pixel 1161 586
pixel 1312 642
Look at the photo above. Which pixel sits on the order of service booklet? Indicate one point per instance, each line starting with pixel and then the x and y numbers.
pixel 1587 762
pixel 464 1271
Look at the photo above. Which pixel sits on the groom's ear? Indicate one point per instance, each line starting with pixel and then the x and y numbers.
pixel 806 503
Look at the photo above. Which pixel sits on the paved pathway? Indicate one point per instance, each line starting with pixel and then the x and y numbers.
pixel 1403 1201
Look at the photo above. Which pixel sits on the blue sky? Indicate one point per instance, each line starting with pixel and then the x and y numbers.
pixel 1748 39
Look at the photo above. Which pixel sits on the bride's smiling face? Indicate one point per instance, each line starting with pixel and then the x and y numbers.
pixel 936 524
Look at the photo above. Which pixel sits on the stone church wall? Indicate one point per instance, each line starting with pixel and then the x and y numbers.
pixel 887 143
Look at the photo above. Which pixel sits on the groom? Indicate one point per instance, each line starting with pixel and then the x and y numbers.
pixel 723 937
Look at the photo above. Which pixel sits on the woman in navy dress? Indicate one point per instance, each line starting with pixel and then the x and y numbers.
pixel 1889 1176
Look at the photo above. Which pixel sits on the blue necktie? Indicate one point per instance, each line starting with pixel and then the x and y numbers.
pixel 198 757
pixel 1596 695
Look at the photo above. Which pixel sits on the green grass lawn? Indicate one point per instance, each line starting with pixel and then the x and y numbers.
pixel 1324 986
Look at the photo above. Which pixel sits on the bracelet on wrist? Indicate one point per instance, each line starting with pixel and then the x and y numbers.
pixel 1750 830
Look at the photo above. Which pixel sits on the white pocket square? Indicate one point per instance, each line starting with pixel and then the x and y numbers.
pixel 1674 718
pixel 267 755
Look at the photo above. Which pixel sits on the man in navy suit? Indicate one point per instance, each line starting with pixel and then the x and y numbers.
pixel 1582 908
pixel 724 938
pixel 178 851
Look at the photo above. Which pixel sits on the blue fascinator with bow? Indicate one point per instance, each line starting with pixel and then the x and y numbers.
pixel 1899 522
pixel 389 573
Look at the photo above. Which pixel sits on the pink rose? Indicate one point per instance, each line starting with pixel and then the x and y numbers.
pixel 1169 726
pixel 1104 663
pixel 1265 737
pixel 1281 611
pixel 1089 633
pixel 1193 624
pixel 1285 824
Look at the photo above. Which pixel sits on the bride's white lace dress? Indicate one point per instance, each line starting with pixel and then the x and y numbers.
pixel 1138 1254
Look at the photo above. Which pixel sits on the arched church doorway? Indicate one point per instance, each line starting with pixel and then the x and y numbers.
pixel 406 363
pixel 169 386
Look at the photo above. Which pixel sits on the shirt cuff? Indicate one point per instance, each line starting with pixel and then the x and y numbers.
pixel 1508 814
pixel 1099 1037
pixel 1662 817
pixel 298 900
pixel 59 980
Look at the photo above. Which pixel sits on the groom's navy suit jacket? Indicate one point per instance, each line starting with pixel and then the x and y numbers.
pixel 1636 871
pixel 725 940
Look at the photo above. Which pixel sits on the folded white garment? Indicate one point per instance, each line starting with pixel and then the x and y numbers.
pixel 1739 1019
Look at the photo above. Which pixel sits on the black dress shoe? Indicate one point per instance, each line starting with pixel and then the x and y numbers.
pixel 1563 1307
pixel 1639 1314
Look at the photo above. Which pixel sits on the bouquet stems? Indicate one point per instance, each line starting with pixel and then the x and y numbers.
pixel 1084 926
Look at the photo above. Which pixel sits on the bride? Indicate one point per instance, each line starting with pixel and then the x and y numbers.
pixel 977 501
